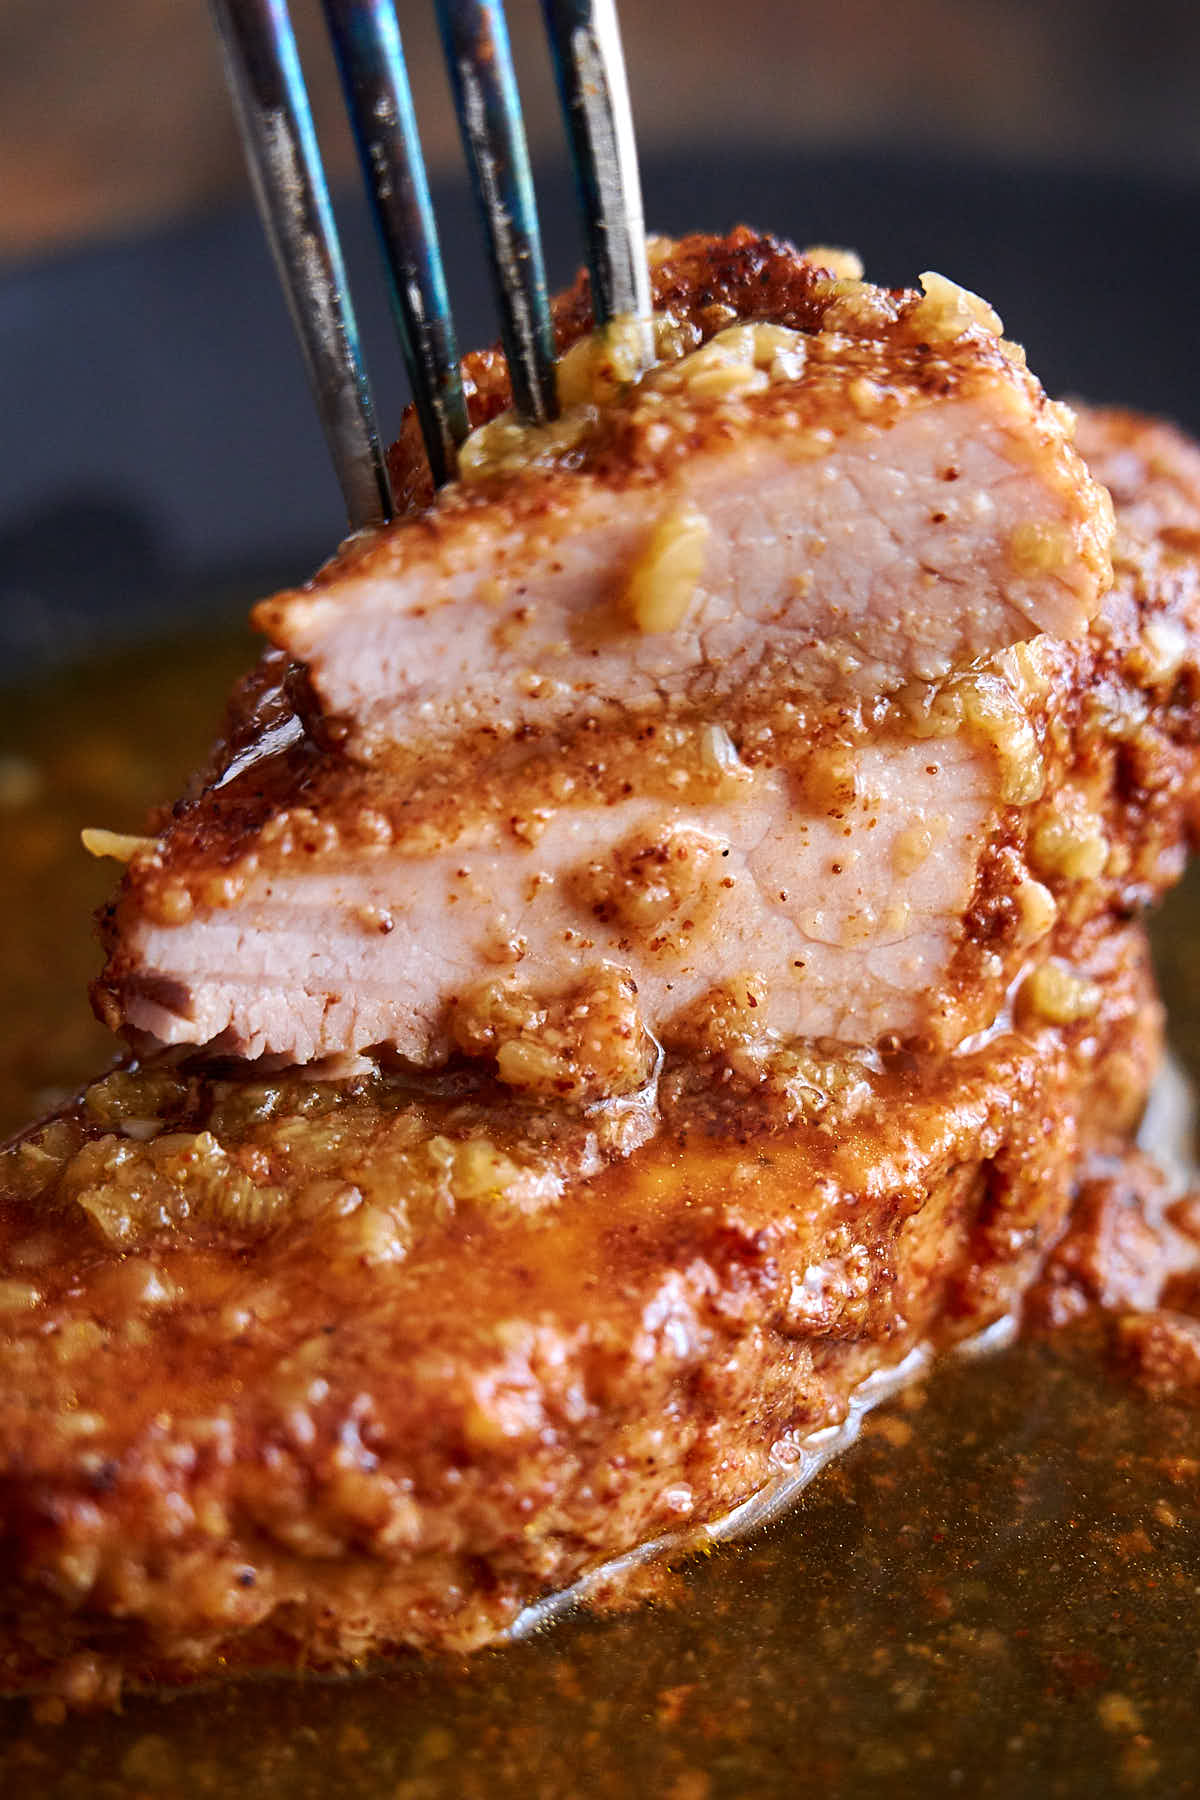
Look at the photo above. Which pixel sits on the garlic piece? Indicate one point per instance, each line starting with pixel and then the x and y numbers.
pixel 667 573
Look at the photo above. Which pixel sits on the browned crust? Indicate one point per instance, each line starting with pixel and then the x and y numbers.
pixel 706 283
pixel 1121 730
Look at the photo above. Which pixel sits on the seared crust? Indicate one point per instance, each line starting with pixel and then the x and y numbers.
pixel 1119 813
pixel 703 282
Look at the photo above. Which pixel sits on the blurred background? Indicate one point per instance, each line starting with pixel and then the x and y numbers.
pixel 112 114
pixel 161 448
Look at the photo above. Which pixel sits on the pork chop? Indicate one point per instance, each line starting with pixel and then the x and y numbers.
pixel 793 789
pixel 296 1373
pixel 821 481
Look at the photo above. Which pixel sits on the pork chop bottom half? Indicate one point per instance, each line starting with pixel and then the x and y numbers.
pixel 297 1373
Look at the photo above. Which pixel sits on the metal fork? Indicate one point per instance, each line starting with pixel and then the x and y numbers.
pixel 271 102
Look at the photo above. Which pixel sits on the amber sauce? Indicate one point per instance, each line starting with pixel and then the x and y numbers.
pixel 997 1592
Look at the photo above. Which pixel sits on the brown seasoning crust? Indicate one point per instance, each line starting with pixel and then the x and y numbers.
pixel 1120 807
pixel 702 284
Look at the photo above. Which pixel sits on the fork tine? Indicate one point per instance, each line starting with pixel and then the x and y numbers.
pixel 271 103
pixel 366 40
pixel 475 39
pixel 585 45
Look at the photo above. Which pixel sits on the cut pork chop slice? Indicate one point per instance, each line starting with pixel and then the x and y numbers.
pixel 857 873
pixel 821 483
pixel 316 941
pixel 738 789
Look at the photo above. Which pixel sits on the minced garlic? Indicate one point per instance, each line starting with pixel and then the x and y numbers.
pixel 665 577
pixel 506 444
pixel 1039 547
pixel 843 265
pixel 720 759
pixel 993 711
pixel 744 358
pixel 1036 910
pixel 657 354
pixel 1058 995
pixel 913 845
pixel 122 846
pixel 1071 845
pixel 948 311
pixel 599 367
pixel 857 307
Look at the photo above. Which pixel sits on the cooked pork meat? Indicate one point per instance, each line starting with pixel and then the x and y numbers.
pixel 645 699
pixel 299 1370
pixel 821 482
pixel 859 872
pixel 296 1373
pixel 841 896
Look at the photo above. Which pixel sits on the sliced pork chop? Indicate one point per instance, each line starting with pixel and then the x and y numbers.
pixel 715 793
pixel 840 910
pixel 821 481
pixel 877 872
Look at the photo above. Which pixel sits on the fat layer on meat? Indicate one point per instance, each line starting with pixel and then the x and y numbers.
pixel 852 872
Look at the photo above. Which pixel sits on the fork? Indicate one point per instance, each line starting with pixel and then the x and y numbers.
pixel 262 67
